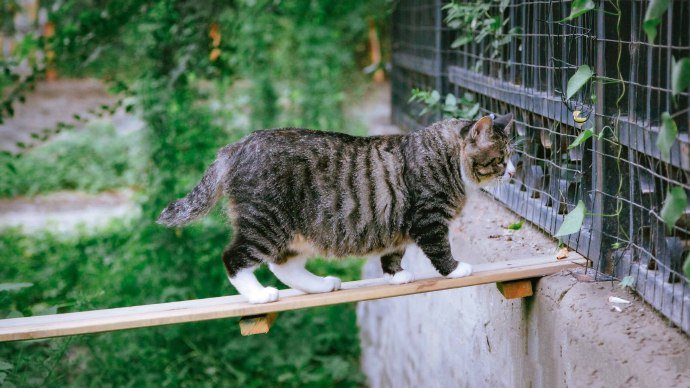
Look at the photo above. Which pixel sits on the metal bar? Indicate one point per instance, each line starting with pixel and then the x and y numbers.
pixel 438 28
pixel 598 146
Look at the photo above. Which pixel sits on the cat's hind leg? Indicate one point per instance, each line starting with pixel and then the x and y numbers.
pixel 293 273
pixel 240 262
pixel 393 270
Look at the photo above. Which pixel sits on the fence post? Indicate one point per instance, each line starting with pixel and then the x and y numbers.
pixel 598 146
pixel 438 57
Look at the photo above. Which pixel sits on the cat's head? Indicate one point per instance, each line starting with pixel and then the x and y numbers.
pixel 486 150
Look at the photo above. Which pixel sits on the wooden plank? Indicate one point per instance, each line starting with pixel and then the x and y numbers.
pixel 515 289
pixel 235 306
pixel 257 324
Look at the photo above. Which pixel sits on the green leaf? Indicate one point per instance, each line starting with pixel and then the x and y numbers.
pixel 414 96
pixel 14 286
pixel 652 18
pixel 581 138
pixel 686 267
pixel 470 113
pixel 680 77
pixel 674 206
pixel 579 7
pixel 11 167
pixel 461 41
pixel 451 101
pixel 435 97
pixel 515 226
pixel 667 135
pixel 4 365
pixel 572 223
pixel 578 80
pixel 628 281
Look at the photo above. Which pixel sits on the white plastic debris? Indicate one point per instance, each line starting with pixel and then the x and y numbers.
pixel 616 308
pixel 615 299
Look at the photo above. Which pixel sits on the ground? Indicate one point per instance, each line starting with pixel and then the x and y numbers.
pixel 568 334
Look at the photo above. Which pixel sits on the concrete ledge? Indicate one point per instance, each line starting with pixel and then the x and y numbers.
pixel 568 334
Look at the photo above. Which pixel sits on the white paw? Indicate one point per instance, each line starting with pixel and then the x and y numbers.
pixel 264 295
pixel 333 283
pixel 463 270
pixel 400 277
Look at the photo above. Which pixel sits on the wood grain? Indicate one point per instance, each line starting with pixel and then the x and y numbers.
pixel 257 324
pixel 515 289
pixel 235 306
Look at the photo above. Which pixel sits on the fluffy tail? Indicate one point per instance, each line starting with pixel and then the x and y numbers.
pixel 200 200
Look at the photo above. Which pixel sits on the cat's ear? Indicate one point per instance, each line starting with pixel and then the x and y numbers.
pixel 504 121
pixel 481 127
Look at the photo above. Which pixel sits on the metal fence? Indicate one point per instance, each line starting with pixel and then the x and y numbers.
pixel 619 174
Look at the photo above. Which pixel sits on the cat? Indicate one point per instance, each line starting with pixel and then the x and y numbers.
pixel 298 193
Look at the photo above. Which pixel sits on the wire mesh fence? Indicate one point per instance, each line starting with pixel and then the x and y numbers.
pixel 519 56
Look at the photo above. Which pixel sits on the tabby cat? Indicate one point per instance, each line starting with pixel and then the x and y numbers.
pixel 298 193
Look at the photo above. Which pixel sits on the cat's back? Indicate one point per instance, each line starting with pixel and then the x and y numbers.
pixel 299 141
pixel 346 192
pixel 298 147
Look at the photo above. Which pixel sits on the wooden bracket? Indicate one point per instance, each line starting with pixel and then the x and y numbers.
pixel 516 288
pixel 257 324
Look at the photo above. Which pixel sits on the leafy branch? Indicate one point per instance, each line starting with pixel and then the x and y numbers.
pixel 475 22
pixel 464 107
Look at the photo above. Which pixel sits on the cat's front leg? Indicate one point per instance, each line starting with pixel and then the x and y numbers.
pixel 432 238
pixel 393 270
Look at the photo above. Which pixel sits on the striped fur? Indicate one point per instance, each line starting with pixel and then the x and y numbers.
pixel 295 193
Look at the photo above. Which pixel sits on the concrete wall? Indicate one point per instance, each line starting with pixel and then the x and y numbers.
pixel 567 335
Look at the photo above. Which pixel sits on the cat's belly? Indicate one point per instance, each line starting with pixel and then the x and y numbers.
pixel 306 247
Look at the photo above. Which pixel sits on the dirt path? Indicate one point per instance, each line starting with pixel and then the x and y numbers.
pixel 64 212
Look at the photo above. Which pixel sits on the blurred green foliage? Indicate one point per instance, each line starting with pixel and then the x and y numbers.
pixel 92 160
pixel 314 347
pixel 296 62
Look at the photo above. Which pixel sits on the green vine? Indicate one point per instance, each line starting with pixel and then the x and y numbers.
pixel 676 200
pixel 476 23
pixel 464 107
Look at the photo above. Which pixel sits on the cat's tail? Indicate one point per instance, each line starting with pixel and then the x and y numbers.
pixel 201 199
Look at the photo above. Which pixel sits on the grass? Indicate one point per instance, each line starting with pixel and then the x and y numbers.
pixel 92 160
pixel 313 347
pixel 135 262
